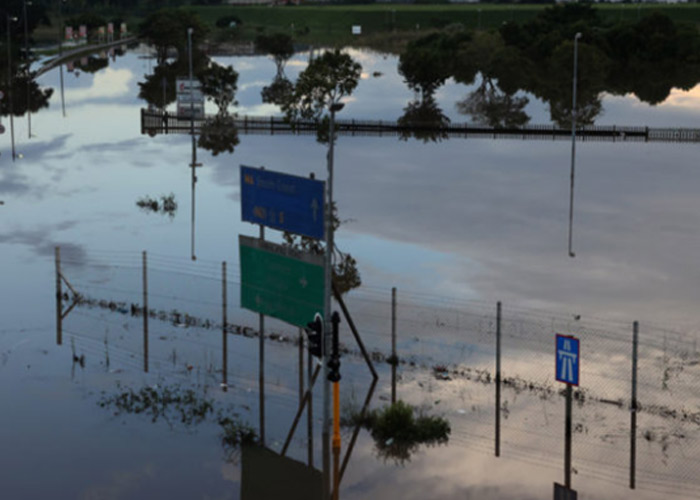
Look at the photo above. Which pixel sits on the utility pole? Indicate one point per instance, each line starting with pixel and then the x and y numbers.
pixel 28 61
pixel 10 19
pixel 194 163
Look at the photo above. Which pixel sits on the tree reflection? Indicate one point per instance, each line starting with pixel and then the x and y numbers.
pixel 281 48
pixel 424 120
pixel 219 134
pixel 489 105
pixel 648 57
pixel 22 93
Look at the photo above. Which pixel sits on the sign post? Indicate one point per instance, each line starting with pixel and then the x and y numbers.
pixel 567 362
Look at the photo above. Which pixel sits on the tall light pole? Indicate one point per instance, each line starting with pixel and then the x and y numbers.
pixel 26 58
pixel 10 19
pixel 328 326
pixel 194 163
pixel 573 148
pixel 60 52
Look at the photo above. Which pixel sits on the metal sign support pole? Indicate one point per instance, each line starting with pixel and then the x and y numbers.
pixel 498 380
pixel 633 408
pixel 262 364
pixel 567 437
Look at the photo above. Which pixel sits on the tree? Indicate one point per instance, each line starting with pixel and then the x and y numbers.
pixel 324 82
pixel 427 62
pixel 320 87
pixel 279 46
pixel 167 28
pixel 346 276
pixel 219 84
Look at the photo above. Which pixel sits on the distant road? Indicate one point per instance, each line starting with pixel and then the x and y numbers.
pixel 85 49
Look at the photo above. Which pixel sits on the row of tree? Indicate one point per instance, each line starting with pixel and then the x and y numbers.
pixel 647 58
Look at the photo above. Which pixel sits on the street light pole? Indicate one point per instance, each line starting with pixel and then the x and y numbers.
pixel 335 106
pixel 60 52
pixel 194 163
pixel 573 148
pixel 26 58
pixel 9 84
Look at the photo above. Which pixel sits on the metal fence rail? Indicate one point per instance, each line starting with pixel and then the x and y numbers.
pixel 156 122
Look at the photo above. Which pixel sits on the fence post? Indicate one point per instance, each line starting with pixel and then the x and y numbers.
pixel 59 299
pixel 633 407
pixel 498 379
pixel 224 326
pixel 301 365
pixel 145 313
pixel 394 359
pixel 262 364
pixel 310 412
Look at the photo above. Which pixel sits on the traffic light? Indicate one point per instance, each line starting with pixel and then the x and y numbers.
pixel 334 361
pixel 314 331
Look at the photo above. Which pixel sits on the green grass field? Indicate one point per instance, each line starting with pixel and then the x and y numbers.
pixel 332 23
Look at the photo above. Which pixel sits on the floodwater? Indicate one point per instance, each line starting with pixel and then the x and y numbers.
pixel 455 225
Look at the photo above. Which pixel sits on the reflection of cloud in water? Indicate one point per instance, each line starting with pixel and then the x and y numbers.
pixel 253 85
pixel 43 245
pixel 109 83
pixel 686 99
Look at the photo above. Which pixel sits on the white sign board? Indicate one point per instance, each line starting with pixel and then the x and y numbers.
pixel 190 98
pixel 356 29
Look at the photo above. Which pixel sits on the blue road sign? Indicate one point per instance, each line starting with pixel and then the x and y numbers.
pixel 568 357
pixel 282 201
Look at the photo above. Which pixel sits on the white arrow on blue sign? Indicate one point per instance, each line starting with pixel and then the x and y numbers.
pixel 568 357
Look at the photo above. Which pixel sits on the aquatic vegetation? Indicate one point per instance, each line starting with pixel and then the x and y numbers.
pixel 167 205
pixel 187 407
pixel 398 433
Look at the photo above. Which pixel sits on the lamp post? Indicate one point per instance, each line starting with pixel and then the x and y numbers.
pixel 26 58
pixel 194 163
pixel 10 19
pixel 573 147
pixel 60 52
pixel 334 107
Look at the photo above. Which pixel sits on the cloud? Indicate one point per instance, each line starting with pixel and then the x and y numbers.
pixel 109 83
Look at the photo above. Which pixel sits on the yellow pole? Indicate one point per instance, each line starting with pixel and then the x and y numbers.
pixel 336 440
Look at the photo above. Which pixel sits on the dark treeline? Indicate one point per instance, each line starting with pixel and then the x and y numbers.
pixel 647 57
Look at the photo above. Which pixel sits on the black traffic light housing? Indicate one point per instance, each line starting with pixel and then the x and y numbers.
pixel 314 331
pixel 334 361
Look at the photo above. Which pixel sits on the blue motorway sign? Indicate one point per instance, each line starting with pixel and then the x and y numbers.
pixel 568 359
pixel 282 201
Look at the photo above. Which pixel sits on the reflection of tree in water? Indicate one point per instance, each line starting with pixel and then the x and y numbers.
pixel 489 105
pixel 281 48
pixel 398 433
pixel 180 407
pixel 92 63
pixel 424 120
pixel 279 91
pixel 24 86
pixel 647 57
pixel 166 205
pixel 219 135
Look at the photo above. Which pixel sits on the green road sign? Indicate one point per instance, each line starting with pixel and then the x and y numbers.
pixel 280 282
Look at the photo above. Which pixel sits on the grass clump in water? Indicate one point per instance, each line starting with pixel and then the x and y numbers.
pixel 398 432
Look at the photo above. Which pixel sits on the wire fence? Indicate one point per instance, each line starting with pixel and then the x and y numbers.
pixel 446 350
